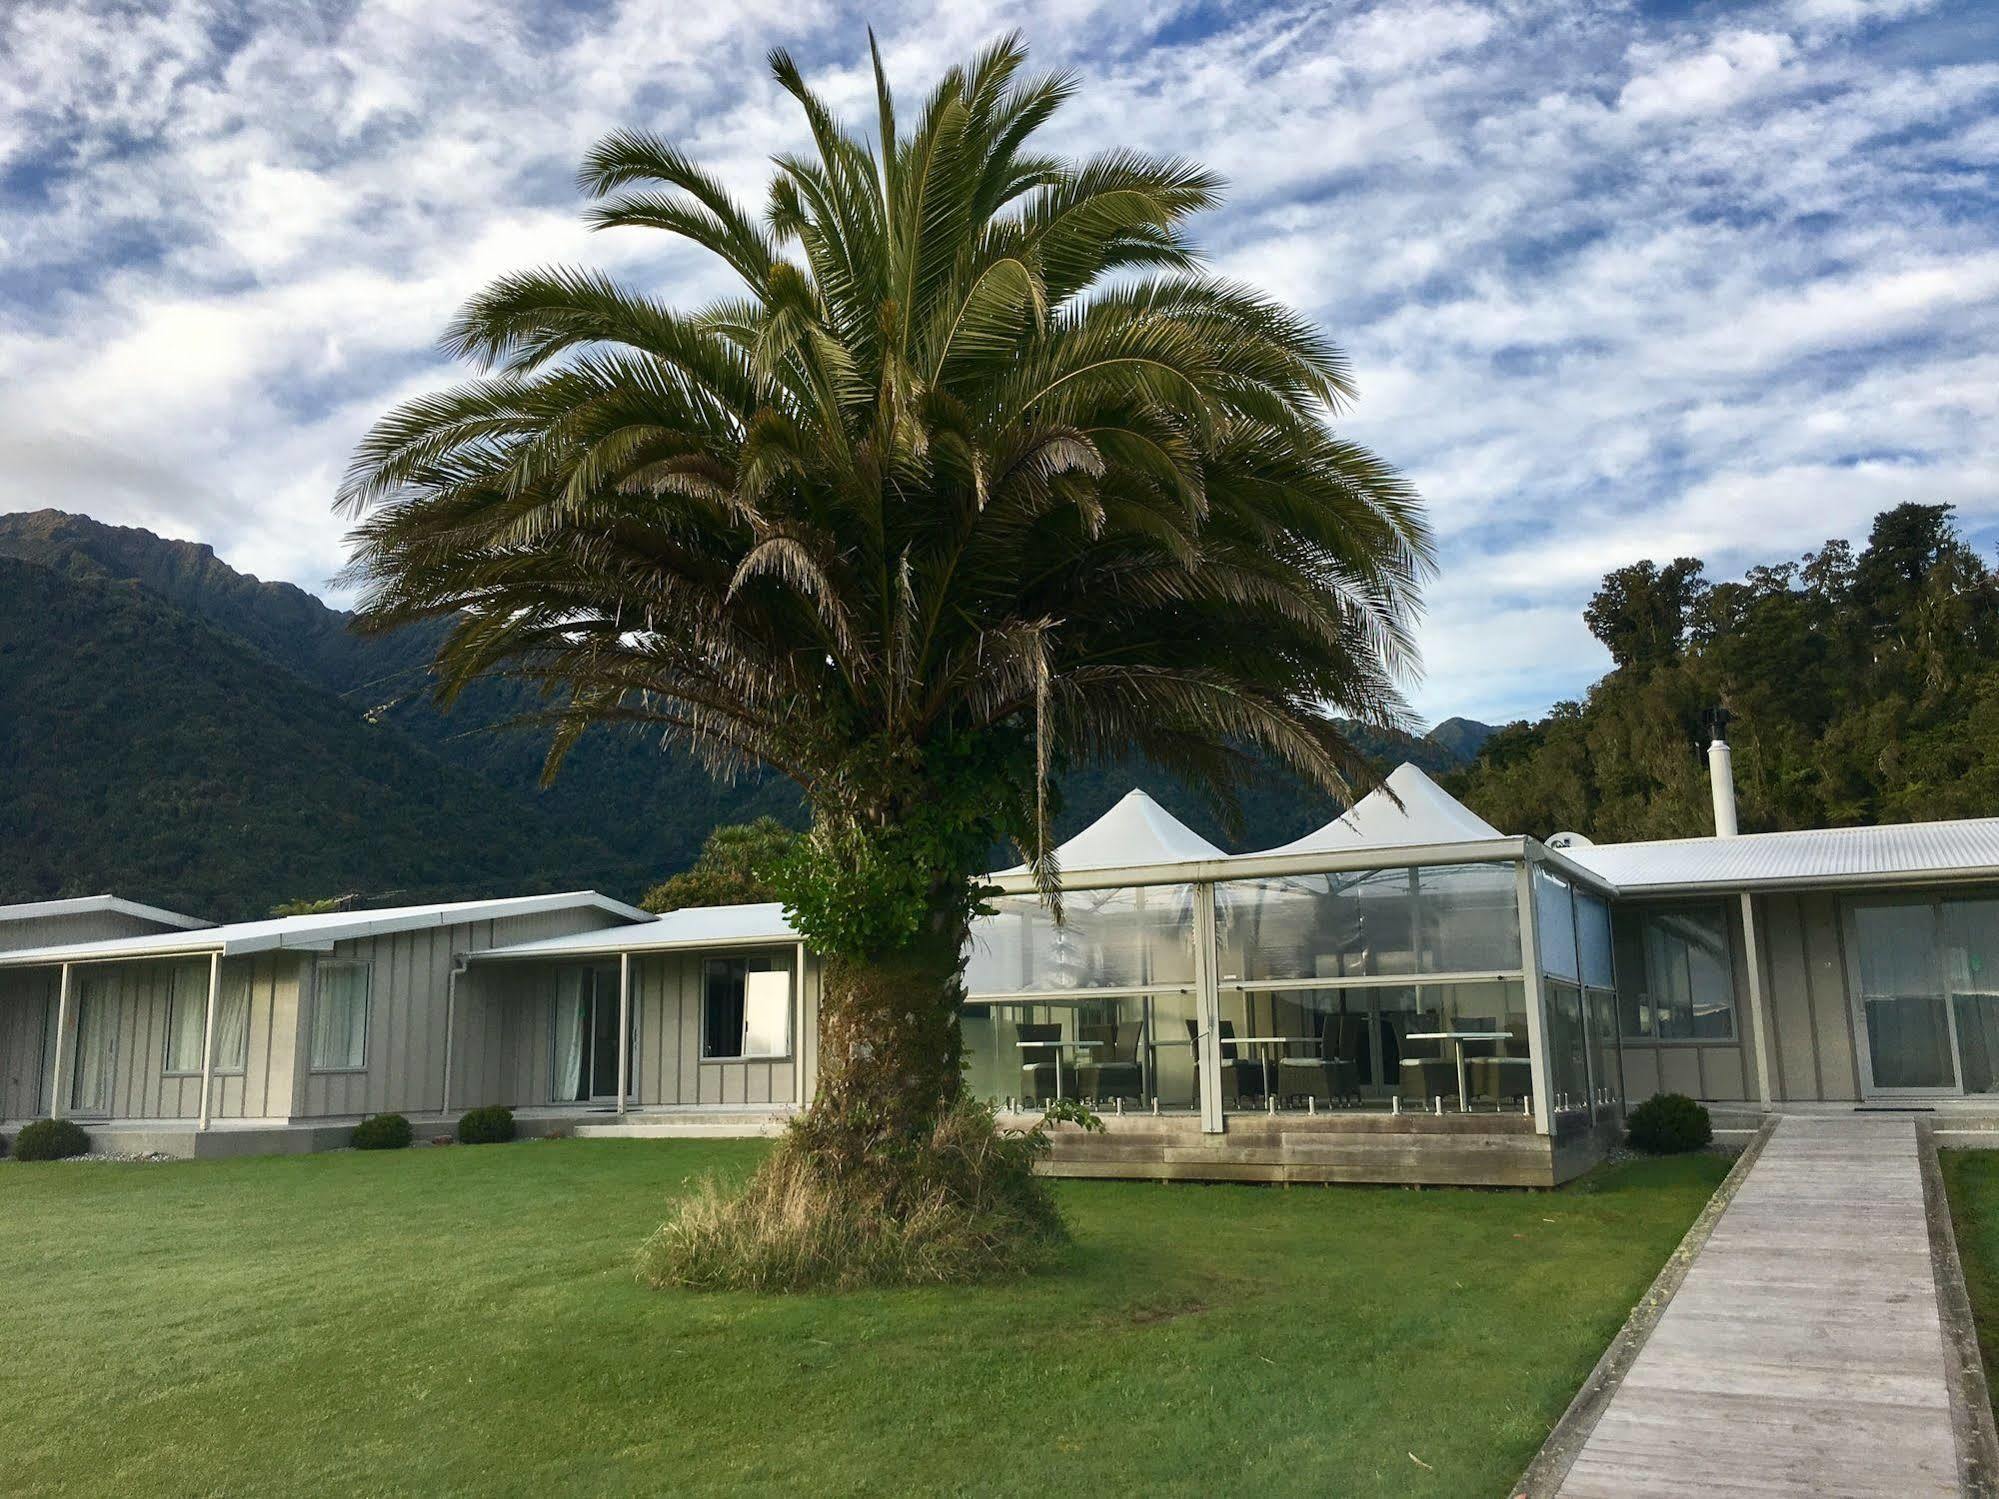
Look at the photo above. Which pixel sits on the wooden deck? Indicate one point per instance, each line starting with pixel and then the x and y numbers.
pixel 1358 1146
pixel 1804 1352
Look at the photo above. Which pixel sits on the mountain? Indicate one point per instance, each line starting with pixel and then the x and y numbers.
pixel 620 814
pixel 1461 739
pixel 149 752
pixel 619 789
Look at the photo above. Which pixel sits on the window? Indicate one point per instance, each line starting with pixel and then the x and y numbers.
pixel 746 1008
pixel 1676 980
pixel 187 1018
pixel 340 1018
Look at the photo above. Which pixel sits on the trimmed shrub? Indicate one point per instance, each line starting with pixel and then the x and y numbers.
pixel 1667 1124
pixel 50 1140
pixel 967 1208
pixel 492 1125
pixel 382 1132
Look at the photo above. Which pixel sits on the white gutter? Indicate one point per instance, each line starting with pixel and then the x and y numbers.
pixel 608 948
pixel 275 935
pixel 1985 874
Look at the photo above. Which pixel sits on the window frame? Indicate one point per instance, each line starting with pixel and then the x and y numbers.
pixel 1645 912
pixel 199 995
pixel 319 971
pixel 779 961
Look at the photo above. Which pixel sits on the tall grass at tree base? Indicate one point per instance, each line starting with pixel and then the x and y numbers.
pixel 968 1208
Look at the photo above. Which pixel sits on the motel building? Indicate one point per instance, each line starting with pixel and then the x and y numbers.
pixel 1406 995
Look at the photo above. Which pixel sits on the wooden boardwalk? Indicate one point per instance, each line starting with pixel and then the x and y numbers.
pixel 1804 1353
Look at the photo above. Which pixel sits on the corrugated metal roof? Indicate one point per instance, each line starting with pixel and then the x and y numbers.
pixel 91 905
pixel 698 926
pixel 317 930
pixel 1900 853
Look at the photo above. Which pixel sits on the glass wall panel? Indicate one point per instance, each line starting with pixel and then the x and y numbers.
pixel 1606 1069
pixel 1459 918
pixel 1568 1054
pixel 1125 1050
pixel 1370 1044
pixel 1593 938
pixel 1107 939
pixel 1555 925
pixel 1971 971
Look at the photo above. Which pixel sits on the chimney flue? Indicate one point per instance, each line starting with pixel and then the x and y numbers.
pixel 1720 771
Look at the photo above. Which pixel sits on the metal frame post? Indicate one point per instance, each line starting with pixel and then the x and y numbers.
pixel 1530 979
pixel 208 1038
pixel 1759 1030
pixel 65 1005
pixel 1208 1005
pixel 624 1028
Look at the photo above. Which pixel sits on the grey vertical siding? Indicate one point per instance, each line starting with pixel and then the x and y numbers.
pixel 137 996
pixel 408 1002
pixel 673 1072
pixel 512 1029
pixel 1804 982
pixel 27 998
pixel 1718 1071
pixel 1801 951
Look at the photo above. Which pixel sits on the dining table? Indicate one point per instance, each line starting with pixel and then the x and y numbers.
pixel 1457 1040
pixel 1064 1041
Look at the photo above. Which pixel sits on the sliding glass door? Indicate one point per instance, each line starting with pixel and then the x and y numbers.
pixel 96 1047
pixel 585 1049
pixel 1926 993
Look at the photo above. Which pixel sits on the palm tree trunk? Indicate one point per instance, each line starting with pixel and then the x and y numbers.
pixel 889 1047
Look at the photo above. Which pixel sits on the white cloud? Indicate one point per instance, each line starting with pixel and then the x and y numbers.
pixel 1613 286
pixel 1729 69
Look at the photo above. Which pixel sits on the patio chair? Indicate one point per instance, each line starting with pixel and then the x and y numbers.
pixel 1327 1077
pixel 1041 1067
pixel 1426 1072
pixel 1506 1075
pixel 1240 1078
pixel 1111 1069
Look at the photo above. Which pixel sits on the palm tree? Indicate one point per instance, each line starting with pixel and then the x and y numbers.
pixel 978 473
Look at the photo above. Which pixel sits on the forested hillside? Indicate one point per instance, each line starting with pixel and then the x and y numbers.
pixel 1864 687
pixel 146 752
pixel 182 732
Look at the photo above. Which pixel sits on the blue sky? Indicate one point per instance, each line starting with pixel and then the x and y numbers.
pixel 1618 281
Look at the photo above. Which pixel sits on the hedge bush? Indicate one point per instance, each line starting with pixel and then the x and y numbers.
pixel 50 1140
pixel 1669 1123
pixel 492 1125
pixel 382 1132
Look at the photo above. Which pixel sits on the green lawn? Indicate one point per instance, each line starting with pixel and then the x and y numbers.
pixel 463 1321
pixel 1971 1181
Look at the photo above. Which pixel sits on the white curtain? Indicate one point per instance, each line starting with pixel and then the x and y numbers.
pixel 94 1028
pixel 571 1012
pixel 187 1009
pixel 340 1016
pixel 232 1027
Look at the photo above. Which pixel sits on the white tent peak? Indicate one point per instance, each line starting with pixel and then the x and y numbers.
pixel 1427 814
pixel 1136 831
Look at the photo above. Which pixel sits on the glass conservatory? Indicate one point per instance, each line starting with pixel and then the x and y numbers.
pixel 1405 959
